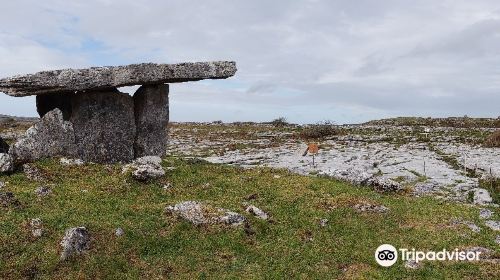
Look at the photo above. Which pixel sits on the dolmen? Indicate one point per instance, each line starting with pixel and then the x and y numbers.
pixel 85 116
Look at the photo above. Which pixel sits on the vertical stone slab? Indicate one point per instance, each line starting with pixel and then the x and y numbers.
pixel 104 126
pixel 50 137
pixel 151 118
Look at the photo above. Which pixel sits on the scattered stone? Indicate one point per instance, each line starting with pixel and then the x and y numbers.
pixel 472 226
pixel 102 78
pixel 36 227
pixel 384 185
pixel 481 197
pixel 145 168
pixel 257 212
pixel 323 222
pixel 71 162
pixel 119 232
pixel 366 207
pixel 167 186
pixel 485 213
pixel 493 225
pixel 75 242
pixel 276 176
pixel 497 239
pixel 198 213
pixel 104 126
pixel 32 172
pixel 2 185
pixel 151 119
pixel 6 163
pixel 43 191
pixel 4 147
pixel 50 137
pixel 7 199
pixel 412 264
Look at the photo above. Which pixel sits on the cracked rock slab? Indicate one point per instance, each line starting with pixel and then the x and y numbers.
pixel 103 78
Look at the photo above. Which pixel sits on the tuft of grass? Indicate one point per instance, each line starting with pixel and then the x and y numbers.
pixel 292 245
pixel 280 122
pixel 493 141
pixel 320 130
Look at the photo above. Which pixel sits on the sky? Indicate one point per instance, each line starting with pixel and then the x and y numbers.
pixel 306 60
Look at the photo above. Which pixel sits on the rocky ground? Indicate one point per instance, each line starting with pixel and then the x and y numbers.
pixel 448 163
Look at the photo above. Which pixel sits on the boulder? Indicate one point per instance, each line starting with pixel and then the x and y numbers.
pixel 198 213
pixel 104 126
pixel 104 78
pixel 4 147
pixel 50 137
pixel 6 163
pixel 151 119
pixel 481 197
pixel 75 242
pixel 36 227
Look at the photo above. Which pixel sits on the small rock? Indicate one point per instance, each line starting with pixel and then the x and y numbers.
pixel 145 168
pixel 119 232
pixel 384 185
pixel 36 227
pixel 472 226
pixel 366 207
pixel 482 197
pixel 167 186
pixel 198 213
pixel 2 185
pixel 75 242
pixel 33 173
pixel 323 222
pixel 276 176
pixel 71 162
pixel 412 264
pixel 485 213
pixel 6 163
pixel 7 199
pixel 497 239
pixel 494 225
pixel 257 212
pixel 43 191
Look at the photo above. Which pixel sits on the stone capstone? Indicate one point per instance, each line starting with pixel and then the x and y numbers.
pixel 105 78
pixel 151 119
pixel 50 137
pixel 75 242
pixel 104 126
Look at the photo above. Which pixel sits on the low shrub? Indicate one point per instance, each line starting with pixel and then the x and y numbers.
pixel 493 140
pixel 320 130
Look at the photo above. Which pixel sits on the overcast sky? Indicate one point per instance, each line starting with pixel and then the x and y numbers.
pixel 346 61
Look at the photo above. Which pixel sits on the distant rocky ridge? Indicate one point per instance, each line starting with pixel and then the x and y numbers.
pixel 459 122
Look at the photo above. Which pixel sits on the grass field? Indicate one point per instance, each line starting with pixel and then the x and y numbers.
pixel 292 245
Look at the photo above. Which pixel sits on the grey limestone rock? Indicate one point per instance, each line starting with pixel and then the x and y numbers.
pixel 145 168
pixel 198 213
pixel 75 242
pixel 151 119
pixel 257 212
pixel 6 163
pixel 105 78
pixel 104 126
pixel 50 137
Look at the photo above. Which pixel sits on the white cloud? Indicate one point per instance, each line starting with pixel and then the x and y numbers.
pixel 307 60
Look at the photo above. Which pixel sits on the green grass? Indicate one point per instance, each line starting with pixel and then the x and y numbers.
pixel 157 245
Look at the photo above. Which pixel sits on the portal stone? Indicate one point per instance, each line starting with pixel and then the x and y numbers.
pixel 104 126
pixel 151 119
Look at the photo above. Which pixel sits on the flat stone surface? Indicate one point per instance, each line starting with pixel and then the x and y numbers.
pixel 151 119
pixel 102 78
pixel 104 126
